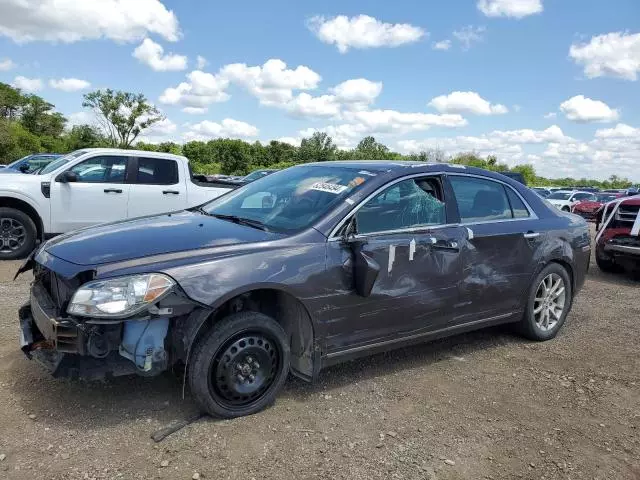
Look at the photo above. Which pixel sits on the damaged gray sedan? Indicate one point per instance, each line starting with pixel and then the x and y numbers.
pixel 307 267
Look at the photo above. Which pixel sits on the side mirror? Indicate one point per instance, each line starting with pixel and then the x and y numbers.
pixel 24 168
pixel 67 177
pixel 365 268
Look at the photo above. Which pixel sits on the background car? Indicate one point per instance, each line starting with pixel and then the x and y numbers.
pixel 30 163
pixel 565 199
pixel 542 191
pixel 618 237
pixel 589 207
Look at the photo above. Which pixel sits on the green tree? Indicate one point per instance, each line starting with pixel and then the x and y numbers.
pixel 123 116
pixel 11 101
pixel 16 141
pixel 318 148
pixel 84 136
pixel 38 117
pixel 370 149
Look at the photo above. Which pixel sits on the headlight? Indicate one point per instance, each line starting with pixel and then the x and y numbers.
pixel 119 297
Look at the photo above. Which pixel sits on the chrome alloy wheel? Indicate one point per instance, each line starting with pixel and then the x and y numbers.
pixel 550 301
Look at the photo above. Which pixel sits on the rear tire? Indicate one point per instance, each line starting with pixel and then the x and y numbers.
pixel 548 304
pixel 566 209
pixel 18 234
pixel 240 365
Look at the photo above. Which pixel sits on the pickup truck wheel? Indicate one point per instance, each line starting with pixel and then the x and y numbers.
pixel 548 304
pixel 607 265
pixel 17 234
pixel 239 366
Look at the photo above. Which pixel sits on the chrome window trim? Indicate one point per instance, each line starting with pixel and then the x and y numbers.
pixel 353 211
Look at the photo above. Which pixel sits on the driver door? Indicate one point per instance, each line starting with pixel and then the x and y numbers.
pixel 404 230
pixel 99 194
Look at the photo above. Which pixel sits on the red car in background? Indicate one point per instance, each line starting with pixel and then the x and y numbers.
pixel 588 208
pixel 618 237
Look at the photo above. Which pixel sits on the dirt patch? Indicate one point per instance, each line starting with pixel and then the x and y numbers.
pixel 481 405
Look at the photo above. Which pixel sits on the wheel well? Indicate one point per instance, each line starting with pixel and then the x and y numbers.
pixel 288 311
pixel 569 270
pixel 26 208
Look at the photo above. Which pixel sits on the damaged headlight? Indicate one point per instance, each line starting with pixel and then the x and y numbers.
pixel 119 297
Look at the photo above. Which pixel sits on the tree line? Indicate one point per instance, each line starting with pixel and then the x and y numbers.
pixel 29 124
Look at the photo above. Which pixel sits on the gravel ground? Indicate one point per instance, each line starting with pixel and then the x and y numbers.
pixel 480 405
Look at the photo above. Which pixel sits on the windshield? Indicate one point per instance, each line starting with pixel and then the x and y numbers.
pixel 61 161
pixel 604 198
pixel 256 175
pixel 17 163
pixel 291 199
pixel 559 196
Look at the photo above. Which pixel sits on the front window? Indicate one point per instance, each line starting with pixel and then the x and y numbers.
pixel 53 166
pixel 559 196
pixel 101 169
pixel 410 203
pixel 289 200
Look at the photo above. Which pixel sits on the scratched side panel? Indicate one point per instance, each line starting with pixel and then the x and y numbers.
pixel 415 290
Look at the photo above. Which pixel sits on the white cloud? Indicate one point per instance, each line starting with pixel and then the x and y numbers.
pixel 272 83
pixel 466 102
pixel 6 65
pixel 304 105
pixel 553 154
pixel 441 45
pixel 510 8
pixel 583 110
pixel 228 128
pixel 614 54
pixel 295 141
pixel 621 130
pixel 550 115
pixel 201 62
pixel 27 84
pixel 69 84
pixel 391 121
pixel 526 135
pixel 72 20
pixel 195 110
pixel 363 31
pixel 357 92
pixel 469 35
pixel 152 54
pixel 199 92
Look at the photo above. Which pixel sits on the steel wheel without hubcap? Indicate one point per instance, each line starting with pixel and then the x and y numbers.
pixel 549 302
pixel 244 369
pixel 12 235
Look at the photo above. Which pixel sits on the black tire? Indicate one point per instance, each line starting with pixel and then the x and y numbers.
pixel 215 369
pixel 607 265
pixel 12 221
pixel 566 209
pixel 529 326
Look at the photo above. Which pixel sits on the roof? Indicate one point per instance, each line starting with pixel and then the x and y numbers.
pixel 137 153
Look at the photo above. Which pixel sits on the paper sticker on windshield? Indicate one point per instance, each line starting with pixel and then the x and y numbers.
pixel 328 187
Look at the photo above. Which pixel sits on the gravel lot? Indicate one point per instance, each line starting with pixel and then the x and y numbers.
pixel 481 405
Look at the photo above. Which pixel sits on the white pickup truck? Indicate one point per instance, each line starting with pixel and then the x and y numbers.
pixel 92 186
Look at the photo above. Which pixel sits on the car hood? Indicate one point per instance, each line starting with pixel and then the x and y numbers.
pixel 146 236
pixel 588 205
pixel 9 170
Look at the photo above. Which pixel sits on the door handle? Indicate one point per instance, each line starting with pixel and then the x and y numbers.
pixel 530 235
pixel 443 245
pixel 112 190
pixel 172 192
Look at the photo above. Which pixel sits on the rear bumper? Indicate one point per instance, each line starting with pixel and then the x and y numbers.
pixel 627 250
